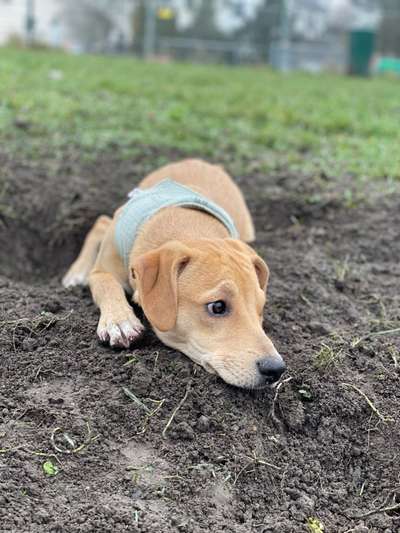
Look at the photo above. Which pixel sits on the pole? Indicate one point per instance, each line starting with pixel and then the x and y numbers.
pixel 30 21
pixel 285 37
pixel 149 29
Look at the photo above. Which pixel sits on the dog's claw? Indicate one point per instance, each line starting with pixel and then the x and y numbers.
pixel 121 335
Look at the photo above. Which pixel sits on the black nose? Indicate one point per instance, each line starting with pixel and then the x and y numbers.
pixel 271 367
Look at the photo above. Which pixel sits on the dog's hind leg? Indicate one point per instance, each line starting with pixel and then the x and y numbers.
pixel 79 271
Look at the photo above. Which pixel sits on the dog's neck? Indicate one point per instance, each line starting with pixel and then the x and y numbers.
pixel 177 223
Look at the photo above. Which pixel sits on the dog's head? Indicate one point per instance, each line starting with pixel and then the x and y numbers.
pixel 206 299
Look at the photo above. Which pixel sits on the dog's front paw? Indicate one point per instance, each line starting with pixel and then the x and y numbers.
pixel 75 276
pixel 120 333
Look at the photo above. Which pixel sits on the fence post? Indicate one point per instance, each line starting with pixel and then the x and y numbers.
pixel 30 21
pixel 149 37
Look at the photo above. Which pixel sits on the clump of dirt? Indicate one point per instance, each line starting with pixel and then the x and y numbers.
pixel 320 450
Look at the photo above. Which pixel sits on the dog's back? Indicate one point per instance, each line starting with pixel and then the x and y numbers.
pixel 214 183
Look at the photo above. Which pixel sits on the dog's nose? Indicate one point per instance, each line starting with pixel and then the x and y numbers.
pixel 271 367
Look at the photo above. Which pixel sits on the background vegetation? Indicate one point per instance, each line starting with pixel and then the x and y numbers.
pixel 336 125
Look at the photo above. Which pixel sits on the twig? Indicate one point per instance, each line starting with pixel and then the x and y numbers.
pixel 372 406
pixel 9 450
pixel 272 411
pixel 176 409
pixel 136 400
pixel 155 359
pixel 253 461
pixel 392 353
pixel 35 325
pixel 241 472
pixel 375 334
pixel 44 319
pixel 159 404
pixel 306 300
pixel 383 509
pixel 89 439
pixel 264 463
pixel 42 454
pixel 149 412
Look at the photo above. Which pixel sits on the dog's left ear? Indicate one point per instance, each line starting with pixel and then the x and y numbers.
pixel 156 274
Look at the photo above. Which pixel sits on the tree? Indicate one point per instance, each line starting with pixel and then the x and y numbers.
pixel 264 26
pixel 389 34
pixel 97 25
pixel 204 22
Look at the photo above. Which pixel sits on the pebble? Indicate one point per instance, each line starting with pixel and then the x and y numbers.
pixel 360 529
pixel 339 285
pixel 203 424
pixel 28 344
pixel 184 431
pixel 306 503
pixel 319 328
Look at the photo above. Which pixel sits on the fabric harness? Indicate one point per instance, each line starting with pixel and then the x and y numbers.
pixel 144 203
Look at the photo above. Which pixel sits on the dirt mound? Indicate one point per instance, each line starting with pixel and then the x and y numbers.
pixel 321 450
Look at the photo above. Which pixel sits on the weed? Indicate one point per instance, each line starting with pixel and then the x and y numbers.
pixel 49 468
pixel 315 526
pixel 327 357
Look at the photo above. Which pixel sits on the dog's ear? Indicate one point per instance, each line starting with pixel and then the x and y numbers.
pixel 262 271
pixel 260 266
pixel 156 274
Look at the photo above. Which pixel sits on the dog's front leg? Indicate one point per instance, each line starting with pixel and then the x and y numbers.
pixel 118 324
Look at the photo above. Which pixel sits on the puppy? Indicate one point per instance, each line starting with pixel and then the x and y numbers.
pixel 178 245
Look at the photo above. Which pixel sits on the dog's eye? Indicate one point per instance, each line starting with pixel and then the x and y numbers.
pixel 218 308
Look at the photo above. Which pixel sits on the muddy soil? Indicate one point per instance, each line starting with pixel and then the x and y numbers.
pixel 321 453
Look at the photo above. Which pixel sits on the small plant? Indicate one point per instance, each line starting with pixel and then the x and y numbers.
pixel 49 468
pixel 327 357
pixel 341 273
pixel 315 526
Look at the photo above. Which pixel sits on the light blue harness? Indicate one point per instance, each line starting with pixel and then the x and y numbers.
pixel 144 203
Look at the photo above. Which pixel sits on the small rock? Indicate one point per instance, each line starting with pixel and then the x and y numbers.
pixel 53 306
pixel 295 416
pixel 339 285
pixel 297 348
pixel 183 431
pixel 42 515
pixel 360 529
pixel 29 344
pixel 319 232
pixel 319 328
pixel 203 424
pixel 306 503
pixel 22 123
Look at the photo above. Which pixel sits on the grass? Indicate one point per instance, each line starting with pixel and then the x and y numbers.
pixel 337 125
pixel 327 357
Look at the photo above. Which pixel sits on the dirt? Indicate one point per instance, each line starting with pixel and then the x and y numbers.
pixel 321 453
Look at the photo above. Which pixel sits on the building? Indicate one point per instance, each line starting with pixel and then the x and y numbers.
pixel 15 15
pixel 75 25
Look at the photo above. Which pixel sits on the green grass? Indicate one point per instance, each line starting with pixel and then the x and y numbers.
pixel 311 123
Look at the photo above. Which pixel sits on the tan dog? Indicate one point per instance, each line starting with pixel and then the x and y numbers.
pixel 202 292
